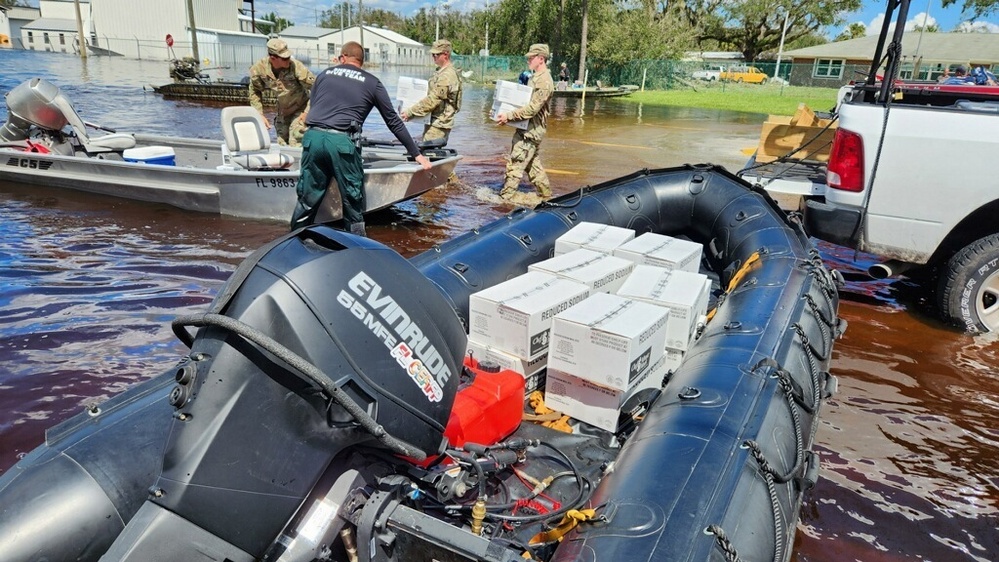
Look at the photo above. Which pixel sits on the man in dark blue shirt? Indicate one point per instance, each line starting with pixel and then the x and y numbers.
pixel 341 100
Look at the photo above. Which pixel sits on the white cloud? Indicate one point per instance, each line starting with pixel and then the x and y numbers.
pixel 977 27
pixel 919 20
pixel 874 27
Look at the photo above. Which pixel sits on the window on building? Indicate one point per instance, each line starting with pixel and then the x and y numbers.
pixel 31 37
pixel 828 68
pixel 62 39
pixel 45 38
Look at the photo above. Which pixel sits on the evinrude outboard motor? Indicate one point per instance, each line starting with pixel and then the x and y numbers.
pixel 39 102
pixel 318 342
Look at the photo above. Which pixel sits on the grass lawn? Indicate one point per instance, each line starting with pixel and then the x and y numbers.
pixel 768 98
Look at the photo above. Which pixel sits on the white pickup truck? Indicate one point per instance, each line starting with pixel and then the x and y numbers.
pixel 911 178
pixel 709 74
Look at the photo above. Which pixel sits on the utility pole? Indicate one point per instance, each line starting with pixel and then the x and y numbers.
pixel 194 30
pixel 360 21
pixel 582 41
pixel 780 50
pixel 79 30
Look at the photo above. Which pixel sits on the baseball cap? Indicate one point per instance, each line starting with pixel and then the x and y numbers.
pixel 440 46
pixel 279 48
pixel 539 49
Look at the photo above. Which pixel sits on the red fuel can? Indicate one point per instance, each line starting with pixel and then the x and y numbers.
pixel 488 408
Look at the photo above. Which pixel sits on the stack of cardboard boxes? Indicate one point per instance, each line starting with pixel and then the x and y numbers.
pixel 609 316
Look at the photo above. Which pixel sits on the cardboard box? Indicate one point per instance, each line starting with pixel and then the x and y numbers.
pixel 608 340
pixel 516 315
pixel 527 368
pixel 685 294
pixel 600 272
pixel 510 96
pixel 601 238
pixel 408 93
pixel 782 135
pixel 662 251
pixel 592 403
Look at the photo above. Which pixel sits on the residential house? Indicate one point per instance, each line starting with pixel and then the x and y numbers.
pixel 925 56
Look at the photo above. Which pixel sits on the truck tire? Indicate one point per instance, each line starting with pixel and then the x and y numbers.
pixel 968 294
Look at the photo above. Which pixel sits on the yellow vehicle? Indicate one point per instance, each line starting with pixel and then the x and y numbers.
pixel 748 74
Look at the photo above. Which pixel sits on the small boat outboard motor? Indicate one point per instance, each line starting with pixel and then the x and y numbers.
pixel 370 351
pixel 318 342
pixel 38 103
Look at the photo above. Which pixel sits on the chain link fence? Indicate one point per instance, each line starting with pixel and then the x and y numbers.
pixel 658 74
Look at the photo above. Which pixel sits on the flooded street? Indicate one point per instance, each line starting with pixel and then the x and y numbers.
pixel 910 465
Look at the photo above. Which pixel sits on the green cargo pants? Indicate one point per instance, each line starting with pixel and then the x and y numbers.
pixel 328 155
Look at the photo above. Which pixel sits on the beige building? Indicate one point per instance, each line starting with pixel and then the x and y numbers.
pixel 925 56
pixel 55 29
pixel 127 28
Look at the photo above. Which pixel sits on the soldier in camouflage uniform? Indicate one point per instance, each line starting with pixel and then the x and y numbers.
pixel 443 99
pixel 291 81
pixel 524 153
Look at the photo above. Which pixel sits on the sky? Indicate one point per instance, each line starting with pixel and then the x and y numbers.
pixel 304 12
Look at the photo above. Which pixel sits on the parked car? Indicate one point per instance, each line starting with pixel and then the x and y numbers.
pixel 748 74
pixel 709 74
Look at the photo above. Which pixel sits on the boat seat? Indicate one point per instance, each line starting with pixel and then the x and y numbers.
pixel 248 141
pixel 111 143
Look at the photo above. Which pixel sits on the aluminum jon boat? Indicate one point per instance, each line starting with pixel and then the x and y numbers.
pixel 315 415
pixel 242 176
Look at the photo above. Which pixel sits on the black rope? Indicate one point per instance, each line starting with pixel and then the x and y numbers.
pixel 725 545
pixel 824 325
pixel 304 367
pixel 768 477
pixel 807 342
pixel 797 393
pixel 813 368
pixel 784 382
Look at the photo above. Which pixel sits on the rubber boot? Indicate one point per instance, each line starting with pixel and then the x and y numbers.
pixel 357 229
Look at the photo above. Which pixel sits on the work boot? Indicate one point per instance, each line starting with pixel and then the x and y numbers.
pixel 357 228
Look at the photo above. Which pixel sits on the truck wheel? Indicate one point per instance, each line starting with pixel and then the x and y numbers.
pixel 968 294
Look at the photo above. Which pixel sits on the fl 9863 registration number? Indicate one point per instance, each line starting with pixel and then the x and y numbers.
pixel 276 183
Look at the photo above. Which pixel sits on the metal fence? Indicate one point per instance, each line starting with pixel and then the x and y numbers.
pixel 654 74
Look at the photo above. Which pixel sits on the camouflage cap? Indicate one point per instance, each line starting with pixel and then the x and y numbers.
pixel 539 49
pixel 440 46
pixel 278 48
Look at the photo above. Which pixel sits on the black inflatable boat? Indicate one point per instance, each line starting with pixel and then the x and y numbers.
pixel 293 429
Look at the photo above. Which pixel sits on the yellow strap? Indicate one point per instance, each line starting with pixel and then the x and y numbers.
pixel 742 271
pixel 736 279
pixel 549 418
pixel 569 522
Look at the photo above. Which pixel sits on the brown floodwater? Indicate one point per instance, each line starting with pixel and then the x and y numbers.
pixel 910 465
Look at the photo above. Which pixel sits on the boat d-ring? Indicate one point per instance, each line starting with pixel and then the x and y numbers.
pixel 688 393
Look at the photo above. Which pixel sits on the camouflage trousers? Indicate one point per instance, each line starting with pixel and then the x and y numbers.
pixel 433 133
pixel 290 130
pixel 524 157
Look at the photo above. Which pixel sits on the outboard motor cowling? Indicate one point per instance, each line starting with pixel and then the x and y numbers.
pixel 40 103
pixel 254 435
